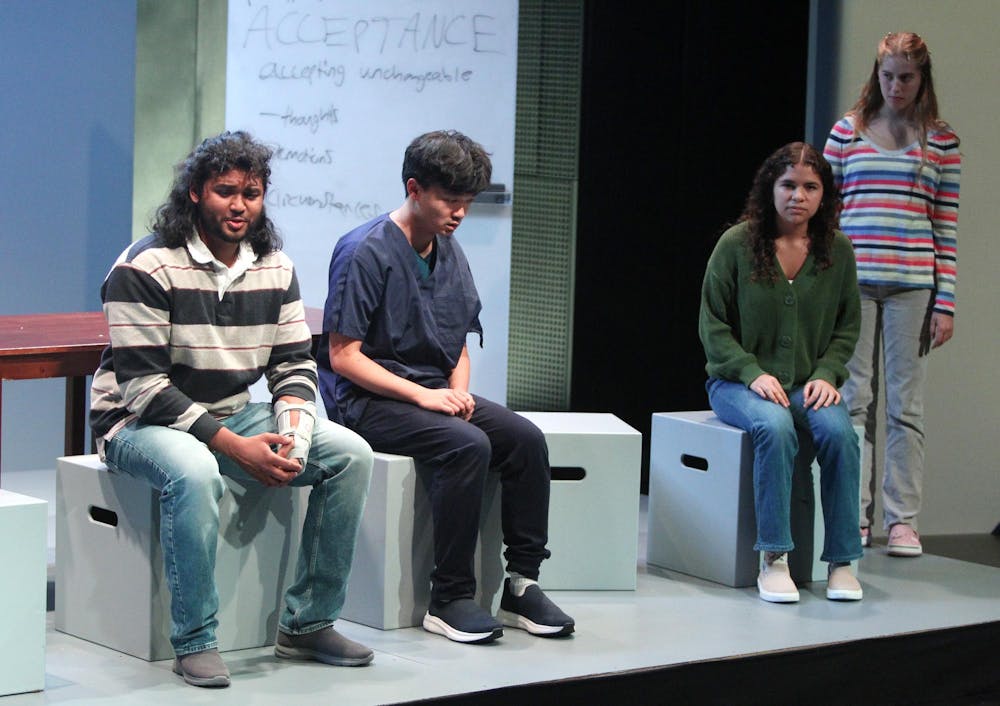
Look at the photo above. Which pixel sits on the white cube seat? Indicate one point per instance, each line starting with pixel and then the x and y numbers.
pixel 701 518
pixel 24 529
pixel 110 585
pixel 596 462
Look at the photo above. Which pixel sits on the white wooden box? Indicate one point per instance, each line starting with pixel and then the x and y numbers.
pixel 701 518
pixel 24 533
pixel 110 586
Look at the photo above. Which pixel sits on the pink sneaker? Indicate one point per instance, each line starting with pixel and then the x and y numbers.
pixel 866 536
pixel 841 584
pixel 904 541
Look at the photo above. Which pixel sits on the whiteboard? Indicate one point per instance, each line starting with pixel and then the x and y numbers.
pixel 339 89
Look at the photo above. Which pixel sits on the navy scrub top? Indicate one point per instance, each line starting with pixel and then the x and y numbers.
pixel 413 326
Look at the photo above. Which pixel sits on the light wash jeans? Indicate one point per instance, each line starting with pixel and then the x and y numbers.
pixel 187 475
pixel 893 322
pixel 774 433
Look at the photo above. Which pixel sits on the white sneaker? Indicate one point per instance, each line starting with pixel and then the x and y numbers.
pixel 774 583
pixel 841 585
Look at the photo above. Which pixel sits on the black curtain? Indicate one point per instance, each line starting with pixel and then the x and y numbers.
pixel 681 103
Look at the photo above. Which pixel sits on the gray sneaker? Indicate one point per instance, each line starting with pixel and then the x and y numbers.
pixel 326 645
pixel 204 668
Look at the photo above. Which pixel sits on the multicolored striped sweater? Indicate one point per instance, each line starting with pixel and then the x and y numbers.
pixel 184 350
pixel 903 228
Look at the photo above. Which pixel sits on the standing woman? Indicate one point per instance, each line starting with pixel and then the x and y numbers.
pixel 779 319
pixel 897 166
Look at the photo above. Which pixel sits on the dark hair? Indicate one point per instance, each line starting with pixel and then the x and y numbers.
pixel 177 218
pixel 449 160
pixel 760 215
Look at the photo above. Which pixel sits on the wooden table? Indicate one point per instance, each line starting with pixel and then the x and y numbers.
pixel 68 346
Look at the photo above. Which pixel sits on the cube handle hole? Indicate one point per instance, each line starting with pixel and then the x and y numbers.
pixel 696 462
pixel 568 473
pixel 103 516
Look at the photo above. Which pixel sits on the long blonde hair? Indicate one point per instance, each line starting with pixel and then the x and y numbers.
pixel 909 46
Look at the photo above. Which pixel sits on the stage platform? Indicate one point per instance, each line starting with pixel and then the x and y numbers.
pixel 927 632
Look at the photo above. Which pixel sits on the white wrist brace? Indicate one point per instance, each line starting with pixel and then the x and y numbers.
pixel 301 433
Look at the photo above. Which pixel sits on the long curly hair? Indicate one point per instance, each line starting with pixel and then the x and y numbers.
pixel 177 218
pixel 911 47
pixel 760 215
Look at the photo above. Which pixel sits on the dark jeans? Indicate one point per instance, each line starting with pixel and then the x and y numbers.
pixel 454 457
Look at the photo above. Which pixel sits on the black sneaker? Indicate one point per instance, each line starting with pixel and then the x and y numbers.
pixel 533 612
pixel 462 620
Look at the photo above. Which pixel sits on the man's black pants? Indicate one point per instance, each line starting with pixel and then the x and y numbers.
pixel 456 455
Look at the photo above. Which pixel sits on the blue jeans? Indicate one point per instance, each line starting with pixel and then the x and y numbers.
pixel 774 433
pixel 893 322
pixel 187 475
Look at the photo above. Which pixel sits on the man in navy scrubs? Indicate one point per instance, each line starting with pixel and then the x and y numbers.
pixel 400 305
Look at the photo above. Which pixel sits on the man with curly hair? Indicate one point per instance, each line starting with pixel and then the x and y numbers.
pixel 198 311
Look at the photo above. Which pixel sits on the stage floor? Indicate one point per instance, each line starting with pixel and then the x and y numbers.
pixel 671 619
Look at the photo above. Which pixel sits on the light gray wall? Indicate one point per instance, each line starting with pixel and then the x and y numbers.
pixel 962 482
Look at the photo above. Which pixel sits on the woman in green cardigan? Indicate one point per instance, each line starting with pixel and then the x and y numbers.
pixel 780 315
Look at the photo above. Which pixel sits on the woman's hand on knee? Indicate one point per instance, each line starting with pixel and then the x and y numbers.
pixel 820 393
pixel 768 387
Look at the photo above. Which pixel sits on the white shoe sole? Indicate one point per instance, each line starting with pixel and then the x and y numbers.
pixel 904 550
pixel 515 620
pixel 439 627
pixel 841 594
